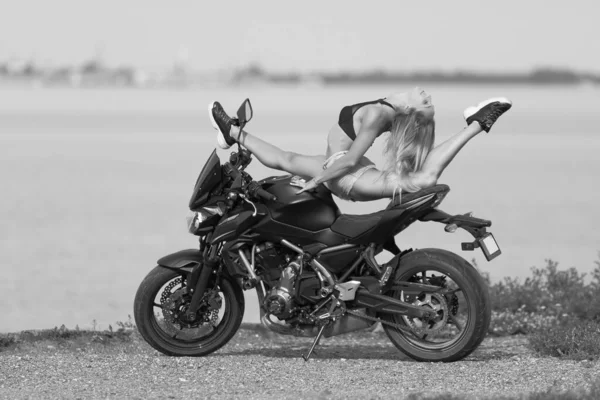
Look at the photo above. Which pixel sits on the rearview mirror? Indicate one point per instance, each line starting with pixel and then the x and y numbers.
pixel 244 113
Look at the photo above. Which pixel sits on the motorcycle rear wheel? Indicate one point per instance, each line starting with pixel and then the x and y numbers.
pixel 173 338
pixel 470 321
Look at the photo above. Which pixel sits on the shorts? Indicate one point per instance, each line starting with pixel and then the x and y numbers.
pixel 343 185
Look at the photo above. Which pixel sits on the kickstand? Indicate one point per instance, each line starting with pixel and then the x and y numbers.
pixel 317 339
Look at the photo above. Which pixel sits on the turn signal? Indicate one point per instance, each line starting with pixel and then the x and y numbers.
pixel 451 228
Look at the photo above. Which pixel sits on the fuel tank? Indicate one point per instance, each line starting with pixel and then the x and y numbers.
pixel 312 211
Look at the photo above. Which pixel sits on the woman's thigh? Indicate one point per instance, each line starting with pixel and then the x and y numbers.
pixel 372 185
pixel 303 165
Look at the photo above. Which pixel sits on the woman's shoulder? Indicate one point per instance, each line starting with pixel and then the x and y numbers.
pixel 375 115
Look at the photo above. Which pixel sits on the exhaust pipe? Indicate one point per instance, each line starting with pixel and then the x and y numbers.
pixel 309 331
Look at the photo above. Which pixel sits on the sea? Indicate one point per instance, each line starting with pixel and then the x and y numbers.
pixel 95 183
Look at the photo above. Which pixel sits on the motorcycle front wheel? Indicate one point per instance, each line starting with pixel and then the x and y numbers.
pixel 160 313
pixel 463 309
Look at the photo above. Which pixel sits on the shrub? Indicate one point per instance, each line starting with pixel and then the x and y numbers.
pixel 7 341
pixel 521 322
pixel 550 290
pixel 549 297
pixel 577 339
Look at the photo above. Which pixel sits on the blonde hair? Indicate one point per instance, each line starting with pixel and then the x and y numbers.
pixel 409 142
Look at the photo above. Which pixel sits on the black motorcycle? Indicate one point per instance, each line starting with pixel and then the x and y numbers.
pixel 314 269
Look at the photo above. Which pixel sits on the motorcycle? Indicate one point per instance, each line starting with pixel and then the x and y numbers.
pixel 313 268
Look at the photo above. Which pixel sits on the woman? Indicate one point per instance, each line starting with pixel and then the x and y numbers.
pixel 413 162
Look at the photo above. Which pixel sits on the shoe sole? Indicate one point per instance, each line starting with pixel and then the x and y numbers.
pixel 220 138
pixel 469 111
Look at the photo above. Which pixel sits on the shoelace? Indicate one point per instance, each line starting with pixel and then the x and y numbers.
pixel 495 113
pixel 221 114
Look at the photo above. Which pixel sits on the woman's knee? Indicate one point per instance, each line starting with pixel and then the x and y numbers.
pixel 286 160
pixel 424 180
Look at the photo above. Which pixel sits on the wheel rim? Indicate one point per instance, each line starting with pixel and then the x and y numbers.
pixel 454 316
pixel 168 310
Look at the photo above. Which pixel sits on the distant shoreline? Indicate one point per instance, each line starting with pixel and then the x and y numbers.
pixel 94 74
pixel 40 85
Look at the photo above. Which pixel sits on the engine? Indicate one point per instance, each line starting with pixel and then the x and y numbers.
pixel 280 300
pixel 289 285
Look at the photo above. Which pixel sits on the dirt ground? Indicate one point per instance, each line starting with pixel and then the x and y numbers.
pixel 259 364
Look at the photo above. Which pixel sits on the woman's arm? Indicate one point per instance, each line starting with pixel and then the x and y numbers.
pixel 371 126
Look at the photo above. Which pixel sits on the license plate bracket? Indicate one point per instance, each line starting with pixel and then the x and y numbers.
pixel 489 246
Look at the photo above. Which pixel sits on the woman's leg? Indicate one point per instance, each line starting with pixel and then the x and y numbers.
pixel 274 157
pixel 440 156
pixel 374 184
pixel 480 117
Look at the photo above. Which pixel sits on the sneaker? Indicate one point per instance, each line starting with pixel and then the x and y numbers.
pixel 487 112
pixel 222 123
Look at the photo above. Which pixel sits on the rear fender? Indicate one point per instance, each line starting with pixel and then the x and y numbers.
pixel 406 259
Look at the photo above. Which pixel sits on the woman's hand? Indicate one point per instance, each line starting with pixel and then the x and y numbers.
pixel 310 185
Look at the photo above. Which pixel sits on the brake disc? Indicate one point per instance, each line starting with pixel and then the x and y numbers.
pixel 168 302
pixel 174 306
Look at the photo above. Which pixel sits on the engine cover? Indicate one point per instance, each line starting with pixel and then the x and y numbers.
pixel 279 303
pixel 280 300
pixel 309 288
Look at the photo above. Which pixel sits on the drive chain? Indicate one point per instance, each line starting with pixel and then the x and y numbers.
pixel 373 319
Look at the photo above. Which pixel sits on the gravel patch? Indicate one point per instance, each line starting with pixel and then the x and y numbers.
pixel 263 365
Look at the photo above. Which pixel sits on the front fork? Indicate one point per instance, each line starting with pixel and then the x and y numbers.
pixel 198 280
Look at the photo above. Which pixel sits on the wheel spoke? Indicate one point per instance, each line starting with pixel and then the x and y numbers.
pixel 455 322
pixel 157 305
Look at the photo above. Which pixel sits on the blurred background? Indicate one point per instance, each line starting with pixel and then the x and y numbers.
pixel 104 127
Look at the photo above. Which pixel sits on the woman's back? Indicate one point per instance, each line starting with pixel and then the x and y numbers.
pixel 342 135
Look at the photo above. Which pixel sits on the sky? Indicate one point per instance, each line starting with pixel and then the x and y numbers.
pixel 307 35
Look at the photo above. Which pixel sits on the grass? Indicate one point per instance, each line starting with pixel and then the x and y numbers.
pixel 65 338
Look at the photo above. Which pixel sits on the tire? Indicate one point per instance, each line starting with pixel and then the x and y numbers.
pixel 470 332
pixel 163 335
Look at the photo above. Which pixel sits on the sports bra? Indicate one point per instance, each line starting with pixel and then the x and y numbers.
pixel 346 120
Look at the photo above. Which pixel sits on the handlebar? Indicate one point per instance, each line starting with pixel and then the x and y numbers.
pixel 255 190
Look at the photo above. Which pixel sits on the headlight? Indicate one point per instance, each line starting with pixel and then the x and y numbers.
pixel 198 221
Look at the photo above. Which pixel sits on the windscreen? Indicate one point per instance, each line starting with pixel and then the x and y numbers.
pixel 209 177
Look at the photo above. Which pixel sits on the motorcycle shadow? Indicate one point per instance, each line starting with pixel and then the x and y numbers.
pixel 490 349
pixel 333 352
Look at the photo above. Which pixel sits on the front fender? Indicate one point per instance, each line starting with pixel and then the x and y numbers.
pixel 184 260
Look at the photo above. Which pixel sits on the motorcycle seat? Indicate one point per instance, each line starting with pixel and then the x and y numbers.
pixel 352 226
pixel 408 198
